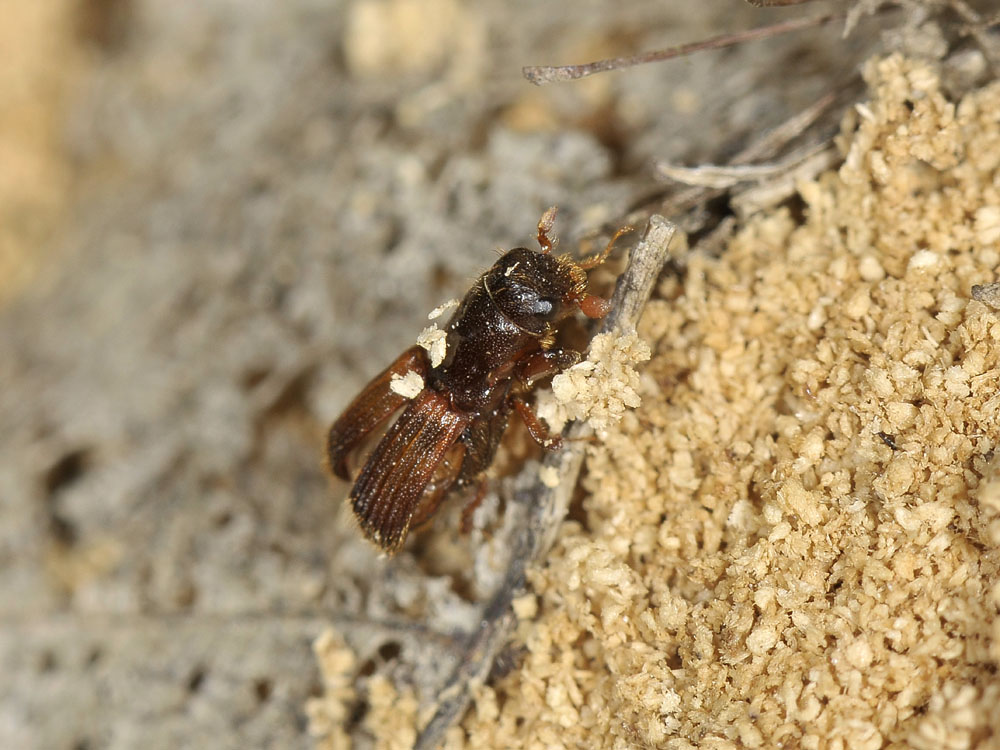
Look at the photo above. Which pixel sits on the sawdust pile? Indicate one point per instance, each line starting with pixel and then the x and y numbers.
pixel 791 541
pixel 796 538
pixel 601 388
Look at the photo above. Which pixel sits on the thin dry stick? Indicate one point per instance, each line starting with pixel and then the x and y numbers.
pixel 546 507
pixel 775 3
pixel 540 74
pixel 778 189
pixel 730 175
pixel 765 147
pixel 775 139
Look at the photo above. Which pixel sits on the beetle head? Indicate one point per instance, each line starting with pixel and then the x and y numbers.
pixel 534 289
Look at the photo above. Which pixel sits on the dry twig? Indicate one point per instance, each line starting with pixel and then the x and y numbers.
pixel 730 175
pixel 768 146
pixel 541 74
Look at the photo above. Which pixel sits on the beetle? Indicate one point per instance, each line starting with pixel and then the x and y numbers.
pixel 498 343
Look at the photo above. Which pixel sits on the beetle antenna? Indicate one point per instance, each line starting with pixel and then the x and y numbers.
pixel 544 227
pixel 596 260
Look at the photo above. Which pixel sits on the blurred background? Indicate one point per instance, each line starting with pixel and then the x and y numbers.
pixel 217 221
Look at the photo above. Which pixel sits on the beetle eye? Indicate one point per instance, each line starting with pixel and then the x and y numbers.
pixel 545 308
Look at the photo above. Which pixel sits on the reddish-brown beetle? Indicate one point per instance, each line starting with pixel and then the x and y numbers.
pixel 499 341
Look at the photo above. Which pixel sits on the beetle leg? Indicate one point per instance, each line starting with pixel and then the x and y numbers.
pixel 596 260
pixel 544 363
pixel 481 440
pixel 376 403
pixel 539 432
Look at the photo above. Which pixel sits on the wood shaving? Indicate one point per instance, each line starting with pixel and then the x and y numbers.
pixel 549 476
pixel 599 389
pixel 328 714
pixel 408 385
pixel 392 715
pixel 441 309
pixel 435 341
